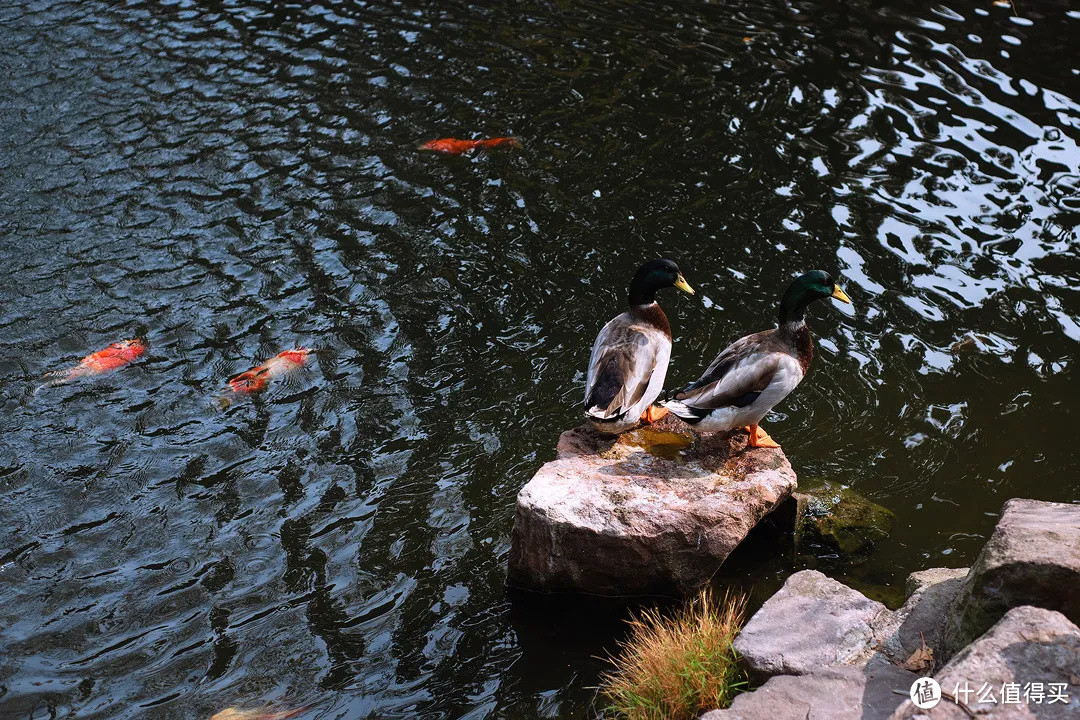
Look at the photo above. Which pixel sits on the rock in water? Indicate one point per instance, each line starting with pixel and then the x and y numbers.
pixel 842 521
pixel 1033 558
pixel 655 510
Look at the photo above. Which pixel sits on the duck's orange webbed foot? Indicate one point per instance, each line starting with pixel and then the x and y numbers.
pixel 654 413
pixel 759 438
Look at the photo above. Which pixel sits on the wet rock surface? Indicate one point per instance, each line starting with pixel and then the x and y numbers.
pixel 841 521
pixel 656 509
pixel 1032 558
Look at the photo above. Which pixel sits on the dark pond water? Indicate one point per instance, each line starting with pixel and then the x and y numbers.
pixel 230 179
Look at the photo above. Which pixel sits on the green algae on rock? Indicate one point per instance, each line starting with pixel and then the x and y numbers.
pixel 841 520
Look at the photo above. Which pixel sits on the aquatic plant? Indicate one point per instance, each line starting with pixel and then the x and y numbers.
pixel 676 667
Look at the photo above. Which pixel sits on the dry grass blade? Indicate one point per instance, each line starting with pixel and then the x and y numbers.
pixel 675 668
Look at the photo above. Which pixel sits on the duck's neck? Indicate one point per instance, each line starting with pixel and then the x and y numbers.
pixel 651 314
pixel 793 306
pixel 796 334
pixel 642 293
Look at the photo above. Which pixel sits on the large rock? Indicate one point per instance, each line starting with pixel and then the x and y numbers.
pixel 841 521
pixel 1032 558
pixel 844 693
pixel 1028 645
pixel 930 594
pixel 655 510
pixel 814 622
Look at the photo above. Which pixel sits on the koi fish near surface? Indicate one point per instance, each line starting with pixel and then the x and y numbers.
pixel 257 377
pixel 110 358
pixel 453 146
pixel 265 714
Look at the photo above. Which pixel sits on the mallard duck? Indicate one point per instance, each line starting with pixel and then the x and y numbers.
pixel 753 374
pixel 630 356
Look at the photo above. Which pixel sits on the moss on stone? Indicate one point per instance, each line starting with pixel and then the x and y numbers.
pixel 843 521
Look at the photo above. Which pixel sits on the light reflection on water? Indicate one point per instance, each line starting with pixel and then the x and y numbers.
pixel 234 179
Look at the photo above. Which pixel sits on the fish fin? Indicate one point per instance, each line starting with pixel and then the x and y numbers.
pixel 57 377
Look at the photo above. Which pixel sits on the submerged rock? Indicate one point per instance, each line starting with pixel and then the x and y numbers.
pixel 1032 558
pixel 842 521
pixel 653 510
pixel 1027 646
pixel 814 622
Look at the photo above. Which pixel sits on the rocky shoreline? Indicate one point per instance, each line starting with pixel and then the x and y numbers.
pixel 1008 623
pixel 659 509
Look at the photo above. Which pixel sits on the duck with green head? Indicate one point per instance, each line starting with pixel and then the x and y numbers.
pixel 753 374
pixel 630 356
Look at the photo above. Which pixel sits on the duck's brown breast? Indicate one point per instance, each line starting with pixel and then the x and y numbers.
pixel 652 315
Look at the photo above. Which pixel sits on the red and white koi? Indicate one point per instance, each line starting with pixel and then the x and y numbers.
pixel 257 378
pixel 453 146
pixel 111 358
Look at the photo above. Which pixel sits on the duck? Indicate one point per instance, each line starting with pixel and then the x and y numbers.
pixel 630 357
pixel 753 374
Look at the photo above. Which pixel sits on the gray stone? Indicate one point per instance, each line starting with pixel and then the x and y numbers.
pixel 922 617
pixel 921 579
pixel 845 693
pixel 814 622
pixel 654 510
pixel 842 521
pixel 1028 645
pixel 1032 558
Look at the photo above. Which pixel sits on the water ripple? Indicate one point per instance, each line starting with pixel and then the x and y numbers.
pixel 228 180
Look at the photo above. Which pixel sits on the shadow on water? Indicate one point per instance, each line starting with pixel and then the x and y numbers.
pixel 232 179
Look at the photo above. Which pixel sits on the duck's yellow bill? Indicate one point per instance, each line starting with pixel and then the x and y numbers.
pixel 680 282
pixel 840 294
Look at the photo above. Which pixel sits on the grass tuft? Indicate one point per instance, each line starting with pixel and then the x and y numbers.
pixel 675 668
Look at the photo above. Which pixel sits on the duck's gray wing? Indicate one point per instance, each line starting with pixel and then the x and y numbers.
pixel 738 375
pixel 624 359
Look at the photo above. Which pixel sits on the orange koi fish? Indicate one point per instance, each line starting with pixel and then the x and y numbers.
pixel 238 714
pixel 257 377
pixel 453 146
pixel 111 358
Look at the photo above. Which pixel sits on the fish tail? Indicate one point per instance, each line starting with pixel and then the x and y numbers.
pixel 506 142
pixel 58 377
pixel 286 714
pixel 258 714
